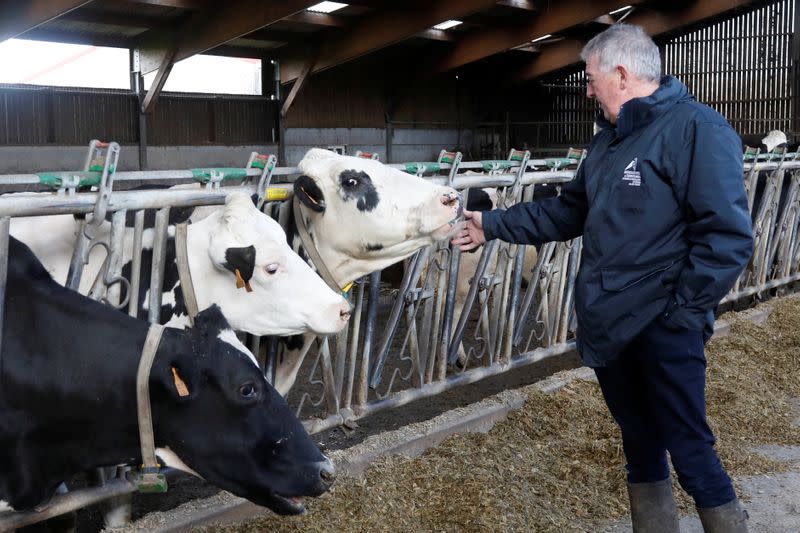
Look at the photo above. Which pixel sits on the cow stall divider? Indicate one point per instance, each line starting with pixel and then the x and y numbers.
pixel 512 315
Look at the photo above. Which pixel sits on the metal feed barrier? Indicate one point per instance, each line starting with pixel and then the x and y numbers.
pixel 402 343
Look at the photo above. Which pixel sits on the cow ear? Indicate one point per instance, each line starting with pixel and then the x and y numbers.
pixel 241 261
pixel 309 193
pixel 210 321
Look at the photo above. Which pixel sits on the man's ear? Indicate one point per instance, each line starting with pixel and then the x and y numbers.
pixel 623 76
pixel 309 194
pixel 241 261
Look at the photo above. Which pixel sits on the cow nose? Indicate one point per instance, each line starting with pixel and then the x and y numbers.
pixel 344 312
pixel 327 473
pixel 451 198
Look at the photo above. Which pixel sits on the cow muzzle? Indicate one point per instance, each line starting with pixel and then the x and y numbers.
pixel 452 199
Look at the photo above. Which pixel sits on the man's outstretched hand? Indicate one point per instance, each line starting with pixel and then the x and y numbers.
pixel 471 235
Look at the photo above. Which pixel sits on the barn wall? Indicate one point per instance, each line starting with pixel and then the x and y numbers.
pixel 60 116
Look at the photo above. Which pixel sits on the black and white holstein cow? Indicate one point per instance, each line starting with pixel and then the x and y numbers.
pixel 362 216
pixel 68 370
pixel 287 296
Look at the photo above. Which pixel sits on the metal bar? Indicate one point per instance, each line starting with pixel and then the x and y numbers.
pixel 5 223
pixel 760 288
pixel 351 370
pixel 65 503
pixel 486 255
pixel 372 311
pixel 403 397
pixel 409 279
pixel 157 268
pixel 136 264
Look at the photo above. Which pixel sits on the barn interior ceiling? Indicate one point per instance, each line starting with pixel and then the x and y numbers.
pixel 528 38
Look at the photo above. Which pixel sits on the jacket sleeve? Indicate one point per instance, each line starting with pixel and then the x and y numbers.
pixel 554 219
pixel 719 230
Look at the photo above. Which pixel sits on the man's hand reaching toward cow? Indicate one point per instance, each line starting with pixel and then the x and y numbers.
pixel 470 236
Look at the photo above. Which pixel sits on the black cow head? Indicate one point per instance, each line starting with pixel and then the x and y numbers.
pixel 232 427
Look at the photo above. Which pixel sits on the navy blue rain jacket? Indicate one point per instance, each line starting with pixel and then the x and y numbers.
pixel 661 205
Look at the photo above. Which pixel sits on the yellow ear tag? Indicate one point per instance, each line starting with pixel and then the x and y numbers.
pixel 240 282
pixel 180 385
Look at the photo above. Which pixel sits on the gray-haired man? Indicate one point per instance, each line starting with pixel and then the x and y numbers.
pixel 661 205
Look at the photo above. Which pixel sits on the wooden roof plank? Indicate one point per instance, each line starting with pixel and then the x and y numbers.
pixel 380 29
pixel 21 15
pixel 566 53
pixel 557 17
pixel 207 30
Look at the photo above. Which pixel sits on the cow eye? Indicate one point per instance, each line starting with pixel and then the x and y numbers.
pixel 248 391
pixel 271 268
pixel 351 182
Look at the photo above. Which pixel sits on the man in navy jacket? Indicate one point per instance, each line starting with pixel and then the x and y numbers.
pixel 661 205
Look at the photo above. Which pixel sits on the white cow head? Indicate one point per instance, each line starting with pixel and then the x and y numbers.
pixel 774 139
pixel 364 215
pixel 278 293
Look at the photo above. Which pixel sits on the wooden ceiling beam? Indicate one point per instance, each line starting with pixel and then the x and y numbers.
pixel 113 18
pixel 71 37
pixel 20 16
pixel 319 19
pixel 565 53
pixel 436 35
pixel 207 30
pixel 190 5
pixel 527 5
pixel 557 17
pixel 380 29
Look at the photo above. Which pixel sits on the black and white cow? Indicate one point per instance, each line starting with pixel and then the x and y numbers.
pixel 287 297
pixel 362 216
pixel 68 369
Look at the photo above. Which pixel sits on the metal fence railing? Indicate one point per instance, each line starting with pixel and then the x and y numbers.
pixel 455 318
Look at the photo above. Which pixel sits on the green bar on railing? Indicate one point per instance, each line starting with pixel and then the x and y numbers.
pixel 204 175
pixel 422 168
pixel 497 164
pixel 560 162
pixel 56 179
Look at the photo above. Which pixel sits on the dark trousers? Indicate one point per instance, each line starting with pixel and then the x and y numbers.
pixel 655 391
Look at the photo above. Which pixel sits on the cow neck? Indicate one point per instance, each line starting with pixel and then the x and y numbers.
pixel 313 253
pixel 143 411
pixel 184 274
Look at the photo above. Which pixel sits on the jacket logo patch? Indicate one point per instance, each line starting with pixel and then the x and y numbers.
pixel 631 175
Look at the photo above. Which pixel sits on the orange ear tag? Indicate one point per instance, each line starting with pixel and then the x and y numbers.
pixel 180 385
pixel 240 282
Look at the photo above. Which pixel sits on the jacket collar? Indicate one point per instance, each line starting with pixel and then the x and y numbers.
pixel 639 112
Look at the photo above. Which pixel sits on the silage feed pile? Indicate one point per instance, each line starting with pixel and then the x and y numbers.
pixel 557 464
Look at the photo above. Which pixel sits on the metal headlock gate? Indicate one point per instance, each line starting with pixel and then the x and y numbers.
pixel 415 341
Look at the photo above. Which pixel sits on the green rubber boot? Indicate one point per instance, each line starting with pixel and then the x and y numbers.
pixel 653 508
pixel 727 518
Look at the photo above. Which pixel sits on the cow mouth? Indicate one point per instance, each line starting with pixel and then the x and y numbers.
pixel 285 505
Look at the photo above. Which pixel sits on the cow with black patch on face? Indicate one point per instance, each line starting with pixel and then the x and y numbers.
pixel 274 292
pixel 362 216
pixel 68 400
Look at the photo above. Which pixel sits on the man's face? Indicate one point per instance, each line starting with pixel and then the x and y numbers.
pixel 605 87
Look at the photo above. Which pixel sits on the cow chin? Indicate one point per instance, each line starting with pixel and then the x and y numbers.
pixel 281 505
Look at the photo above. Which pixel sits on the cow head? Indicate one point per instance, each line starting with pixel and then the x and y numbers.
pixel 244 264
pixel 217 417
pixel 773 139
pixel 364 215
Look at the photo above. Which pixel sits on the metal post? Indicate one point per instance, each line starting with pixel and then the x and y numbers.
pixel 137 86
